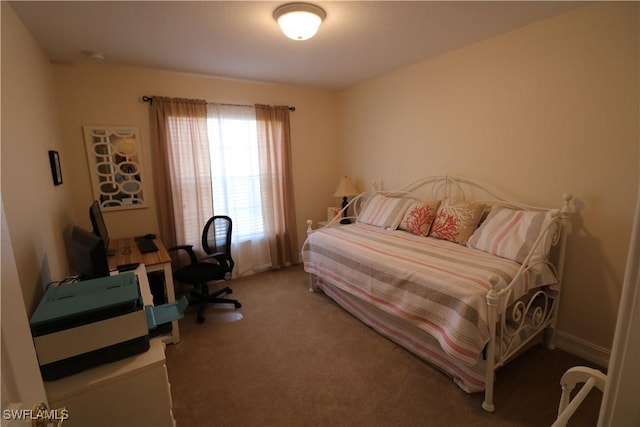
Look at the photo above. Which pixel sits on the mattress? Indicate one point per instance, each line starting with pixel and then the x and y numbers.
pixel 432 285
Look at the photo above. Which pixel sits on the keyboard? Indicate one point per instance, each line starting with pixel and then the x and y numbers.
pixel 146 246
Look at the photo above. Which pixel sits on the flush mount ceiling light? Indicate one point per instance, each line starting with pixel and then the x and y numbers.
pixel 299 21
pixel 94 56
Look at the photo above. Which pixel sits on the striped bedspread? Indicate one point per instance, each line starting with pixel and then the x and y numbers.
pixel 435 285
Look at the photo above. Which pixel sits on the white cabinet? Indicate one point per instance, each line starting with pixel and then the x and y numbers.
pixel 130 392
pixel 134 391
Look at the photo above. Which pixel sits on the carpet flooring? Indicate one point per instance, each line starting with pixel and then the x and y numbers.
pixel 289 357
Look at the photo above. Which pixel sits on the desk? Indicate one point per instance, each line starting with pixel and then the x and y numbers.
pixel 127 252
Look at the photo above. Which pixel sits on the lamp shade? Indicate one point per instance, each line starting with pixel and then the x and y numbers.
pixel 299 21
pixel 346 188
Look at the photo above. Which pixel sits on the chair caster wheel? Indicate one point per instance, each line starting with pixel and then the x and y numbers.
pixel 229 291
pixel 200 319
pixel 237 305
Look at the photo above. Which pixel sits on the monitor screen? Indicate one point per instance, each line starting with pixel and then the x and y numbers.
pixel 99 227
pixel 88 254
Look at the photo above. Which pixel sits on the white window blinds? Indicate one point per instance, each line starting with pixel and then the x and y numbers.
pixel 235 168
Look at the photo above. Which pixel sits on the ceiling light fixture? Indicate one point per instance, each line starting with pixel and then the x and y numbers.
pixel 299 21
pixel 94 56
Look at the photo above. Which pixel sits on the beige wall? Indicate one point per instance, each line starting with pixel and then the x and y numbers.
pixel 44 107
pixel 543 110
pixel 91 94
pixel 547 109
pixel 36 210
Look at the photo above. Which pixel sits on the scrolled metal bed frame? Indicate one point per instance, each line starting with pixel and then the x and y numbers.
pixel 506 318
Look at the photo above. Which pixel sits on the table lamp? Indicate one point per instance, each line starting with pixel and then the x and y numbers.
pixel 346 188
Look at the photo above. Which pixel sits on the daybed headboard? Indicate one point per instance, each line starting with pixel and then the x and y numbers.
pixel 439 187
pixel 435 188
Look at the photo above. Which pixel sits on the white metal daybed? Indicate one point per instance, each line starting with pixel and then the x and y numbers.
pixel 465 304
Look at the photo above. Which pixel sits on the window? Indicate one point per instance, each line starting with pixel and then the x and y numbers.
pixel 226 160
pixel 235 168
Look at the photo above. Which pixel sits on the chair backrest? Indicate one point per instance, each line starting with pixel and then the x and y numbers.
pixel 216 237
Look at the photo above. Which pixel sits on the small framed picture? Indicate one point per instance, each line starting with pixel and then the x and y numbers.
pixel 56 171
pixel 332 212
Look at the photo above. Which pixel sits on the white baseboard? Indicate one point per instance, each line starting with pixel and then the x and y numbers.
pixel 581 348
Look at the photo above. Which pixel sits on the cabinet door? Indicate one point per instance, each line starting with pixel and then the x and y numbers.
pixel 22 386
pixel 128 392
pixel 140 399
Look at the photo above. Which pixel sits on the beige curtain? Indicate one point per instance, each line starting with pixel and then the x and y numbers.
pixel 181 168
pixel 274 140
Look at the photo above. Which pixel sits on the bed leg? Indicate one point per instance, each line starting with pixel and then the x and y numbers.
pixel 565 213
pixel 492 304
pixel 488 405
pixel 549 339
pixel 312 283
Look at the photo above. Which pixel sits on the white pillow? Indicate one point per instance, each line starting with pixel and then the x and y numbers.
pixel 510 233
pixel 383 211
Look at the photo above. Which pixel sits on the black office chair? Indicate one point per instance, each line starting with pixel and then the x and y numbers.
pixel 216 265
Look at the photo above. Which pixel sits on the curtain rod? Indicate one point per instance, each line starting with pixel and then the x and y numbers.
pixel 149 99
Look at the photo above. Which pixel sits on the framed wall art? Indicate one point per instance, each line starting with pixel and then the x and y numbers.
pixel 332 212
pixel 56 171
pixel 115 164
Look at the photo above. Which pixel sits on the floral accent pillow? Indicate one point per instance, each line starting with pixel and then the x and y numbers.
pixel 456 220
pixel 419 217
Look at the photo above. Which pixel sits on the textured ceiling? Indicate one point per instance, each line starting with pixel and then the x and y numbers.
pixel 241 40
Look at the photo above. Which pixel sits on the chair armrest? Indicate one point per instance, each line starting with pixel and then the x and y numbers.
pixel 225 261
pixel 216 255
pixel 188 249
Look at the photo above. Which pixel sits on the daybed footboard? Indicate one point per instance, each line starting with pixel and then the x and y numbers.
pixel 530 316
pixel 518 306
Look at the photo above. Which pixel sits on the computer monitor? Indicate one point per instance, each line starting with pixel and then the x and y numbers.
pixel 88 254
pixel 99 227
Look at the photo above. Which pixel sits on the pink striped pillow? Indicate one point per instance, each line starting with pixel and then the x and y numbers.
pixel 510 233
pixel 383 211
